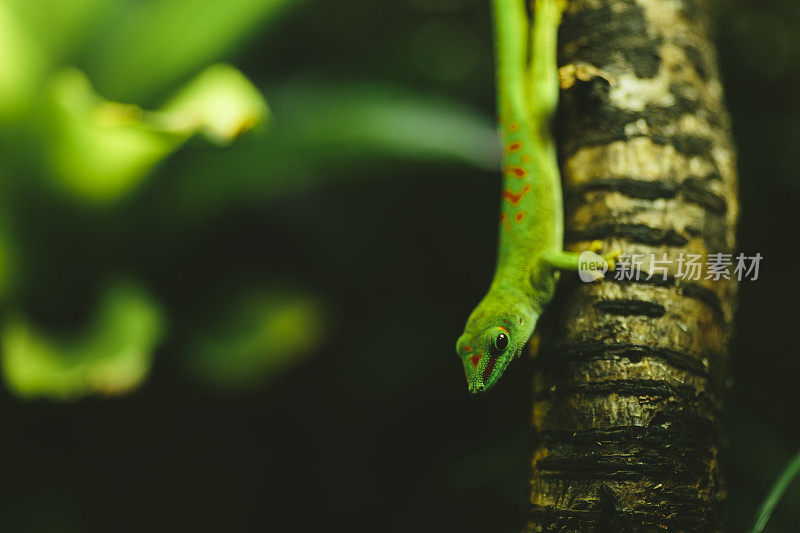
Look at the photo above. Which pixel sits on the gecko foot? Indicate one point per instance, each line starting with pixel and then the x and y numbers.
pixel 570 74
pixel 597 246
pixel 611 259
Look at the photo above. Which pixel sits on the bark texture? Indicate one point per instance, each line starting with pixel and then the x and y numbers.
pixel 627 396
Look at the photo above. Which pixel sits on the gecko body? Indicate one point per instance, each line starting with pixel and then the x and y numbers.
pixel 530 252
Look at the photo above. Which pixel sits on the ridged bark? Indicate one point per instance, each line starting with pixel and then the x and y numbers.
pixel 628 392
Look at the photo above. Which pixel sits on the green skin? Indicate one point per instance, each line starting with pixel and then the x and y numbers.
pixel 530 251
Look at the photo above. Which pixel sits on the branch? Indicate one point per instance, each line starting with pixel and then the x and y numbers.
pixel 627 395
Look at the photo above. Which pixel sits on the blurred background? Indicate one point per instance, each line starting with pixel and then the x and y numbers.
pixel 239 239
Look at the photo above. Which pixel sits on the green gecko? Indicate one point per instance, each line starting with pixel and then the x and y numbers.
pixel 530 252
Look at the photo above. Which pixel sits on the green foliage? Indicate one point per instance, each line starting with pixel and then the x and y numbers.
pixel 97 95
pixel 219 103
pixel 112 356
pixel 776 493
pixel 254 336
pixel 194 32
pixel 320 132
pixel 21 65
pixel 100 150
pixel 59 27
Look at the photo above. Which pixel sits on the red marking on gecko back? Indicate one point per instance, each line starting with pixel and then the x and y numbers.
pixel 467 349
pixel 515 198
pixel 475 359
pixel 513 147
pixel 517 172
pixel 519 216
pixel 513 126
pixel 504 221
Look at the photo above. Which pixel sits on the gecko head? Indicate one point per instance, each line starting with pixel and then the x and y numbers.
pixel 489 343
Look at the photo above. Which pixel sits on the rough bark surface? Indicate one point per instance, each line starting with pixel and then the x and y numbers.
pixel 627 396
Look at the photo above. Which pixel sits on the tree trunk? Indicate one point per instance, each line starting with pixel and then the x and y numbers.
pixel 627 395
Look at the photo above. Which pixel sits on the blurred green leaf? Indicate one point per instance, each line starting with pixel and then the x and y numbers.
pixel 113 356
pixel 373 120
pixel 22 65
pixel 59 26
pixel 100 150
pixel 150 44
pixel 776 493
pixel 221 103
pixel 253 337
pixel 319 129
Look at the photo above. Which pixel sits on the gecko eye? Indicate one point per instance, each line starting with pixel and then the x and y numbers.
pixel 500 341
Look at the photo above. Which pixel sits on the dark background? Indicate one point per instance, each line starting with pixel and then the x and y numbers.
pixel 374 430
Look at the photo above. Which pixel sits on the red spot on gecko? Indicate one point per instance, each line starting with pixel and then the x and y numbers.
pixel 475 359
pixel 504 221
pixel 513 126
pixel 513 147
pixel 515 198
pixel 467 349
pixel 519 216
pixel 517 172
